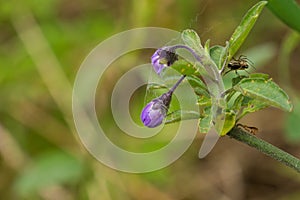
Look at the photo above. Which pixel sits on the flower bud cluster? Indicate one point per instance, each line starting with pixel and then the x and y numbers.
pixel 156 110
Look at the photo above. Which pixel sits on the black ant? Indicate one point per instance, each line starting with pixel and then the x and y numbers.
pixel 242 63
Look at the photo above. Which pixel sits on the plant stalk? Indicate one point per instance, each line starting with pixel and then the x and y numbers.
pixel 265 147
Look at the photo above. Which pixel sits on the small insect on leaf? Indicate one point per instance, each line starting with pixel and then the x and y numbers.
pixel 242 63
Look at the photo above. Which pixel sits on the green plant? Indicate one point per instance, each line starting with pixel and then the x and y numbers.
pixel 247 93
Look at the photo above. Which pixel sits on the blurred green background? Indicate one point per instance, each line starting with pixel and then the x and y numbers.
pixel 43 44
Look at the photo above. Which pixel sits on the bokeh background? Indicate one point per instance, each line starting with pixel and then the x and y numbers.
pixel 42 46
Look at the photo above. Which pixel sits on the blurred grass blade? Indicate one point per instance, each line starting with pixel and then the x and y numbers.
pixel 292 125
pixel 291 41
pixel 287 11
pixel 37 46
pixel 242 31
pixel 50 168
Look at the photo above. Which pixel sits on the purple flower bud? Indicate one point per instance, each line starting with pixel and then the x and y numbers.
pixel 156 110
pixel 162 58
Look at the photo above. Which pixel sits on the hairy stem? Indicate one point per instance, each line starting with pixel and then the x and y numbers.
pixel 265 148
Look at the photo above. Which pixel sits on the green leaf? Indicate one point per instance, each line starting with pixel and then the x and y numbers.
pixel 232 99
pixel 244 105
pixel 242 31
pixel 250 105
pixel 204 100
pixel 191 39
pixel 50 168
pixel 288 11
pixel 198 86
pixel 237 104
pixel 196 82
pixel 200 89
pixel 217 53
pixel 225 55
pixel 237 79
pixel 229 123
pixel 266 91
pixel 206 65
pixel 206 46
pixel 184 67
pixel 211 77
pixel 180 115
pixel 205 122
pixel 260 75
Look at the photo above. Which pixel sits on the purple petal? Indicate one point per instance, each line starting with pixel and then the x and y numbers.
pixel 153 114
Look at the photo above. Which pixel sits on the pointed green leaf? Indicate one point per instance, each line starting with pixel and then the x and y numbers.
pixel 266 91
pixel 191 39
pixel 225 56
pixel 216 53
pixel 206 46
pixel 242 31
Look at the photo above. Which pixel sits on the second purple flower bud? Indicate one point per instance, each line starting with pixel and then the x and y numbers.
pixel 156 110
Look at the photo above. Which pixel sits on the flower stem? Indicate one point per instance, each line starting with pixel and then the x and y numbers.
pixel 213 76
pixel 198 58
pixel 177 83
pixel 265 147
